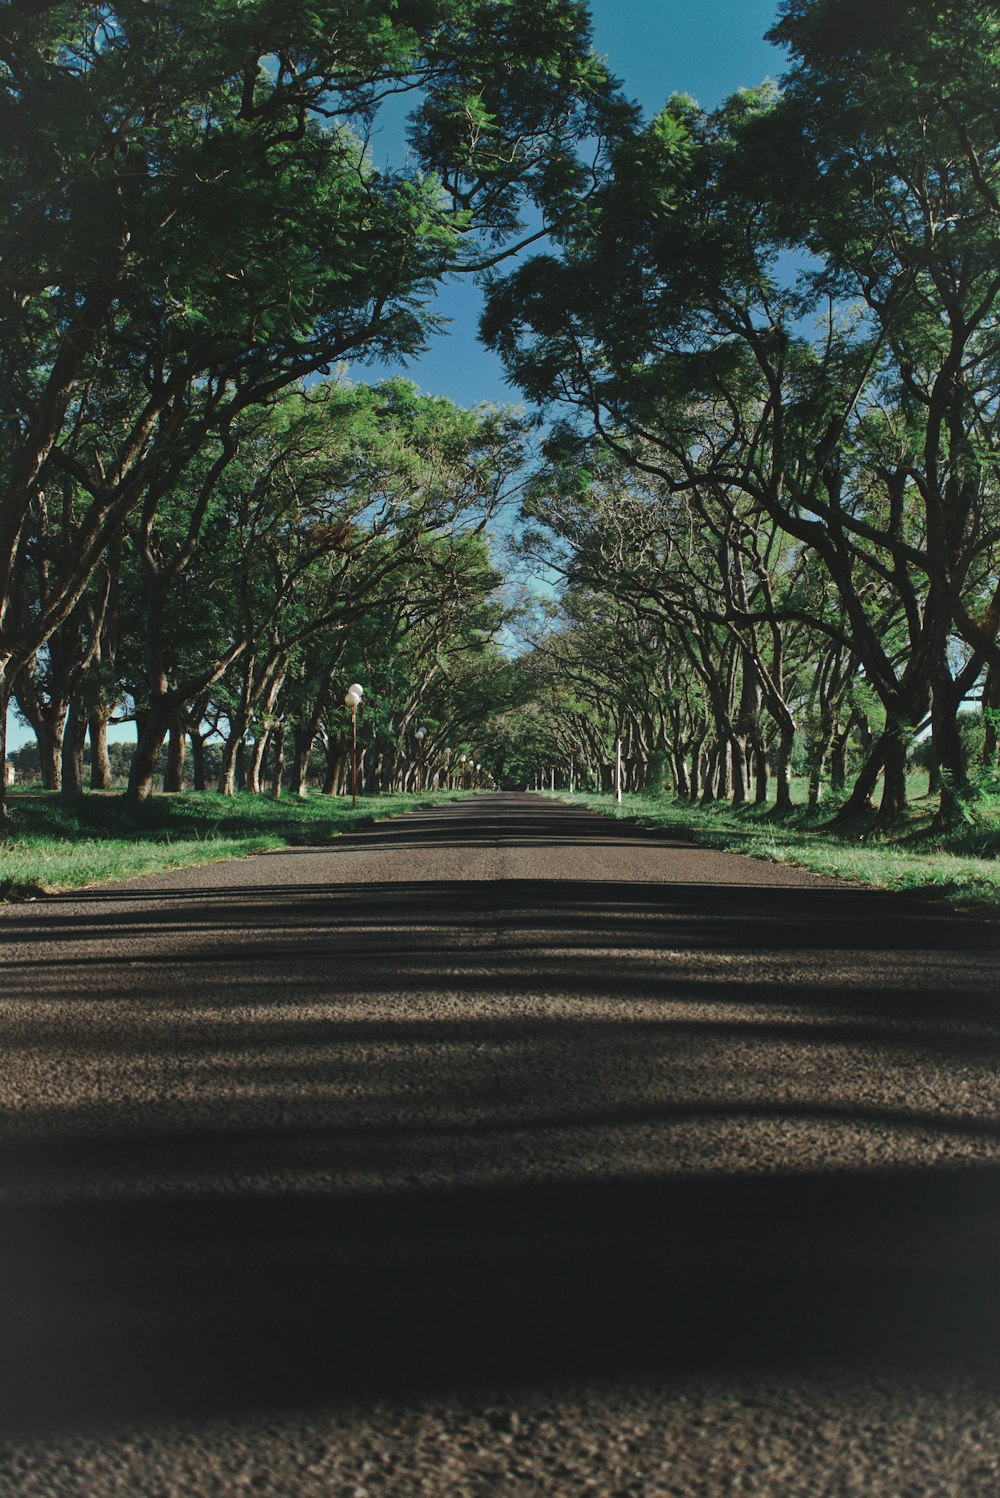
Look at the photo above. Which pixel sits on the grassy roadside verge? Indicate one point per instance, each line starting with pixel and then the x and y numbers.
pixel 48 846
pixel 961 867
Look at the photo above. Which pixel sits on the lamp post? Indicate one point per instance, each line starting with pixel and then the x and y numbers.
pixel 618 766
pixel 420 736
pixel 461 772
pixel 352 700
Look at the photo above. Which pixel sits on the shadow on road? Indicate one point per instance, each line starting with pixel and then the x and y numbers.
pixel 201 1306
pixel 690 914
pixel 351 1184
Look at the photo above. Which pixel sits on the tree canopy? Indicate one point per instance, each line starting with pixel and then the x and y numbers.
pixel 763 339
pixel 784 313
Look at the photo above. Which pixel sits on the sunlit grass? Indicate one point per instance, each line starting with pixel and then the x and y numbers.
pixel 46 865
pixel 960 865
pixel 48 845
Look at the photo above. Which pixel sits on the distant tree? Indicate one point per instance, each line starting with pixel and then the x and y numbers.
pixel 26 762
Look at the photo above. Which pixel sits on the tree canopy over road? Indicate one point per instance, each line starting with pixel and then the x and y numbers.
pixel 763 339
pixel 191 228
pixel 774 331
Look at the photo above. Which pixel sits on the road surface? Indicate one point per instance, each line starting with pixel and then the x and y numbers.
pixel 498 1149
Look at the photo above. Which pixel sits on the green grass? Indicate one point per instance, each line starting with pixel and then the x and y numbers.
pixel 961 866
pixel 48 845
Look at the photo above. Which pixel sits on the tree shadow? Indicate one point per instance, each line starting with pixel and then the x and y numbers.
pixel 196 1306
pixel 426 1140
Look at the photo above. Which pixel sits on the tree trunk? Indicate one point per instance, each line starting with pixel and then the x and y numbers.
pixel 230 757
pixel 100 760
pixel 199 775
pixel 49 737
pixel 991 715
pixel 709 777
pixel 227 774
pixel 783 772
pixel 47 716
pixel 817 755
pixel 255 761
pixel 336 759
pixel 747 727
pixel 682 783
pixel 761 775
pixel 837 758
pixel 233 768
pixel 859 802
pixel 694 773
pixel 888 755
pixel 949 755
pixel 815 783
pixel 738 766
pixel 152 732
pixel 278 766
pixel 74 737
pixel 4 705
pixel 173 776
pixel 893 803
pixel 723 789
pixel 303 738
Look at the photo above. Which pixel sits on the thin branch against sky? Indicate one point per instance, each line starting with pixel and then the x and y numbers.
pixel 656 48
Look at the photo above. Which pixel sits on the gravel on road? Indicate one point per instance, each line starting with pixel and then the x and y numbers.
pixel 501 1148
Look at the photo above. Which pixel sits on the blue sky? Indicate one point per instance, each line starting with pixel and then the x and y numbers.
pixel 706 48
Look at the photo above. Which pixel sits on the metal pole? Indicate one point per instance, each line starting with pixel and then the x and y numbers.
pixel 420 787
pixel 618 771
pixel 354 757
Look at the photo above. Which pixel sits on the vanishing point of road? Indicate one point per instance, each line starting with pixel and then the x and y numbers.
pixel 500 1149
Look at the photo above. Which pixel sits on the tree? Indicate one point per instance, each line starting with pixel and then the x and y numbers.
pixel 190 222
pixel 672 326
pixel 887 136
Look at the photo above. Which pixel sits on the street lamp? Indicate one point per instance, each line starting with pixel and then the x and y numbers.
pixel 462 773
pixel 618 765
pixel 420 736
pixel 352 700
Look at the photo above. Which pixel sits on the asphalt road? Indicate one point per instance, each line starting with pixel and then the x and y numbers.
pixel 499 1149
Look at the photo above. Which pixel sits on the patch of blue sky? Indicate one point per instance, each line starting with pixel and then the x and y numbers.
pixel 655 48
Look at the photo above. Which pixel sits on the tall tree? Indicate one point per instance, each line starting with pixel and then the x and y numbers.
pixel 871 440
pixel 190 220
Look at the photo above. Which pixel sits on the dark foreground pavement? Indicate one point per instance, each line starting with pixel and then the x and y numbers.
pixel 501 1149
